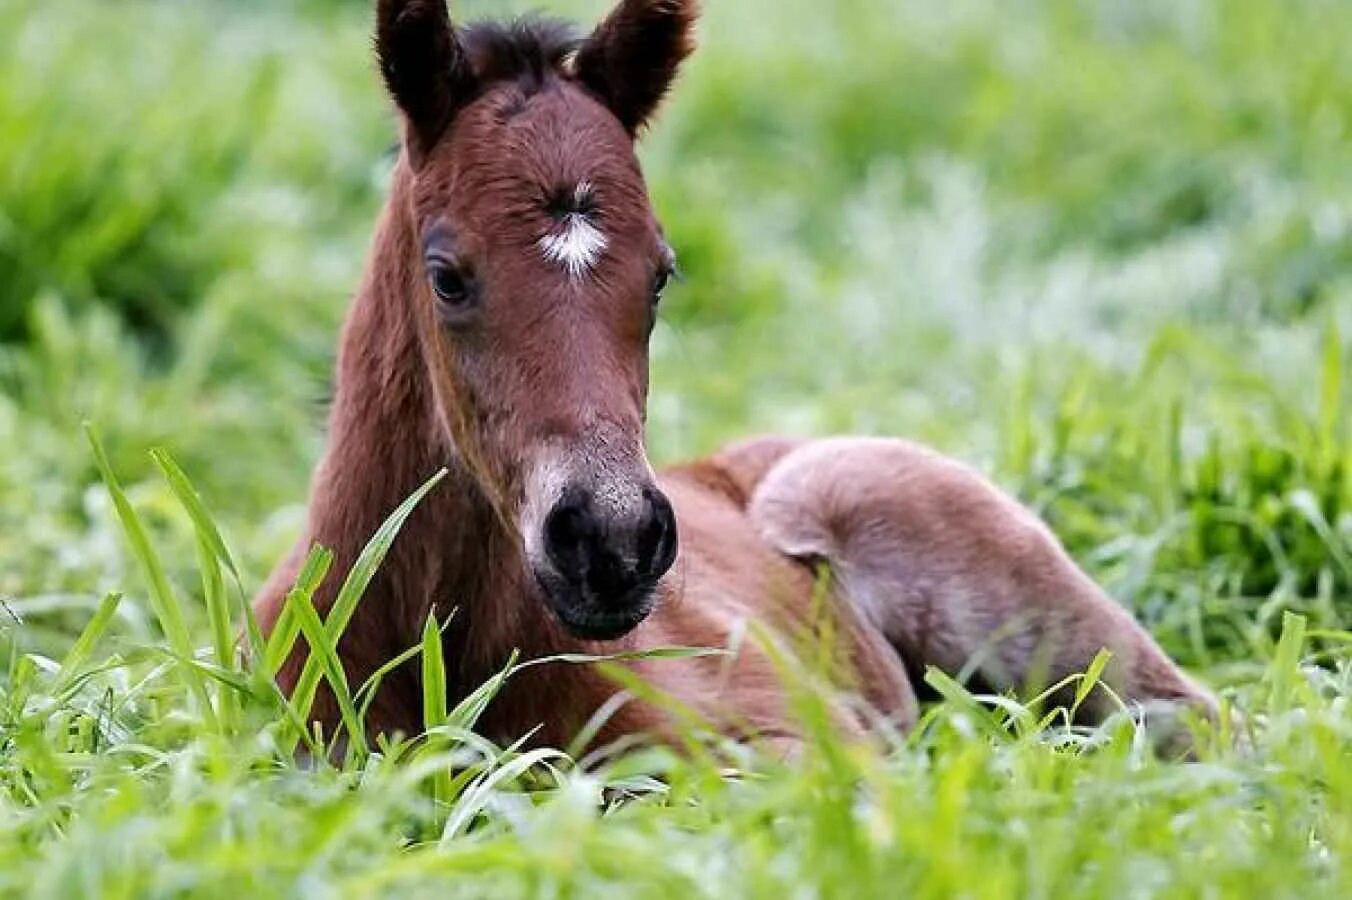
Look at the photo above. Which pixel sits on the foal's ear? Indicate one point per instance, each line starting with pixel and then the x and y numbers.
pixel 424 65
pixel 631 58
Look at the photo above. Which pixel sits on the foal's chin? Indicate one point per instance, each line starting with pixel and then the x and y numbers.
pixel 595 618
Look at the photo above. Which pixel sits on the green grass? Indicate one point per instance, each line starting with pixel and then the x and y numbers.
pixel 1102 249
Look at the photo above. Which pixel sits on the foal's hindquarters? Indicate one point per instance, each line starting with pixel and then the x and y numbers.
pixel 932 566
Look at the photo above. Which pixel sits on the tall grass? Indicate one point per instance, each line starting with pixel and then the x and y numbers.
pixel 123 774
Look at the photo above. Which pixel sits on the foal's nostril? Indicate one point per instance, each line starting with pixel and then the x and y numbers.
pixel 657 536
pixel 571 533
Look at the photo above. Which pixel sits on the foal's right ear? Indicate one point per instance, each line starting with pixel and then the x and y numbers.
pixel 631 59
pixel 424 66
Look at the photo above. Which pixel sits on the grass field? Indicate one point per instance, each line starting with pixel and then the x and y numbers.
pixel 1102 249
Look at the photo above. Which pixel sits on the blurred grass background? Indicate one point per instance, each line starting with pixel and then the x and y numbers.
pixel 1100 248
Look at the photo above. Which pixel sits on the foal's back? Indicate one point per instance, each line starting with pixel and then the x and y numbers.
pixel 928 558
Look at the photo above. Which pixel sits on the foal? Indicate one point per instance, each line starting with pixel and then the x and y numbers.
pixel 501 331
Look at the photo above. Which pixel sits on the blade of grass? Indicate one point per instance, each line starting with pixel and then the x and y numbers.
pixel 355 585
pixel 192 504
pixel 218 608
pixel 212 554
pixel 162 599
pixel 1091 678
pixel 287 627
pixel 324 648
pixel 218 616
pixel 1284 672
pixel 674 652
pixel 434 700
pixel 467 712
pixel 958 698
pixel 367 692
pixel 433 675
pixel 254 632
pixel 79 651
pixel 473 799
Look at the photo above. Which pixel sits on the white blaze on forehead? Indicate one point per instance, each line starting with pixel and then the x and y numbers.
pixel 575 242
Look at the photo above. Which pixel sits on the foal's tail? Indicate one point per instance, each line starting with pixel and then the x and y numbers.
pixel 955 573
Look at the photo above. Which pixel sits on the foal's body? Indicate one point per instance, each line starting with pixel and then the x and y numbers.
pixel 501 332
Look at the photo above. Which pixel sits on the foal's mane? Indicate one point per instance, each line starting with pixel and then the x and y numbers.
pixel 526 50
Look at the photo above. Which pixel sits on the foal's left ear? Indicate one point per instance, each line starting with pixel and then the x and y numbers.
pixel 425 67
pixel 631 58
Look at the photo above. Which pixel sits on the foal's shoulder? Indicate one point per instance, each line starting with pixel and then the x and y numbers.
pixel 732 473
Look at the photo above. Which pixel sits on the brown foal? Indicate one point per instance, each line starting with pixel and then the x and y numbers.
pixel 501 331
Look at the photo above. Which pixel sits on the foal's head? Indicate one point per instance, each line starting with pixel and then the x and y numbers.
pixel 538 275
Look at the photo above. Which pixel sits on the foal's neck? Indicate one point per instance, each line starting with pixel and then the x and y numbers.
pixel 385 440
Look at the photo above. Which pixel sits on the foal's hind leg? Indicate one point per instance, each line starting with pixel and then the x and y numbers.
pixel 955 573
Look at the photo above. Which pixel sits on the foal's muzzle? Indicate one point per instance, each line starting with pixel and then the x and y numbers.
pixel 602 559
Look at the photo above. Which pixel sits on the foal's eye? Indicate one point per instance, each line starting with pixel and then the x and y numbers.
pixel 455 293
pixel 449 285
pixel 660 281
